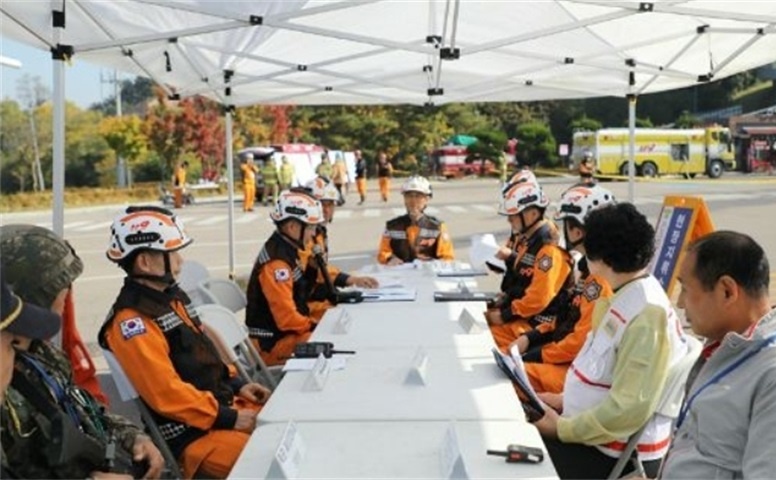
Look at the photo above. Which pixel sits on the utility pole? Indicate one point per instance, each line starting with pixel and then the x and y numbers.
pixel 121 167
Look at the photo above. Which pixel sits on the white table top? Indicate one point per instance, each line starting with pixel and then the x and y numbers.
pixel 393 450
pixel 373 387
pixel 404 325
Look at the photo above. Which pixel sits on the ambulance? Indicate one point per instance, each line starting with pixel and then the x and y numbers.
pixel 686 152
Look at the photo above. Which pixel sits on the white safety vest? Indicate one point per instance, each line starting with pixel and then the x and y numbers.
pixel 590 376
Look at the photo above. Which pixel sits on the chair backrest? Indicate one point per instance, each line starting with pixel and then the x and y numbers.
pixel 128 393
pixel 192 273
pixel 673 390
pixel 223 292
pixel 669 404
pixel 233 343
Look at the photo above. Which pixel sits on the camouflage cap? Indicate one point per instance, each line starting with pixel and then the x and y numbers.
pixel 37 263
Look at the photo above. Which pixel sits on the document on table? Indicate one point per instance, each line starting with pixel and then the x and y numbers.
pixel 512 365
pixel 390 294
pixel 337 362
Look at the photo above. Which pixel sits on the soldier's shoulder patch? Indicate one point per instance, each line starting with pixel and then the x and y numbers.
pixel 592 291
pixel 132 328
pixel 544 263
pixel 282 274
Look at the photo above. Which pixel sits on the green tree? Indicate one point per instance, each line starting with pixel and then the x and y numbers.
pixel 489 146
pixel 537 145
pixel 687 120
pixel 125 136
pixel 585 124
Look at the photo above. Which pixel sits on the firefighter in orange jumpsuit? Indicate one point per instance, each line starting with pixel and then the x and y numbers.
pixel 204 411
pixel 384 173
pixel 360 176
pixel 277 315
pixel 249 171
pixel 327 193
pixel 537 272
pixel 549 349
pixel 415 235
pixel 179 183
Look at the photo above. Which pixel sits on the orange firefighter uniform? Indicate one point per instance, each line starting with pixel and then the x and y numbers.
pixel 178 185
pixel 552 347
pixel 277 314
pixel 536 274
pixel 158 339
pixel 407 240
pixel 249 171
pixel 384 172
pixel 361 178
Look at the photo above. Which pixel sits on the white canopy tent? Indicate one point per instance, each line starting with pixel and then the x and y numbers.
pixel 244 52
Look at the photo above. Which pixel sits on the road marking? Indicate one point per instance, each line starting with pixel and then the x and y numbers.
pixel 70 225
pixel 456 208
pixel 399 211
pixel 485 208
pixel 247 218
pixel 343 214
pixel 210 221
pixel 96 226
pixel 371 212
pixel 432 210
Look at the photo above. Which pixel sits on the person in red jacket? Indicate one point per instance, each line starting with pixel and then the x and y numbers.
pixel 549 349
pixel 205 412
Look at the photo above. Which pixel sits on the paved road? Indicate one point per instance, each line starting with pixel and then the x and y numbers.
pixel 468 206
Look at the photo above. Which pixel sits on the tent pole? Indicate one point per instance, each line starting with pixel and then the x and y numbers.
pixel 58 54
pixel 631 146
pixel 230 188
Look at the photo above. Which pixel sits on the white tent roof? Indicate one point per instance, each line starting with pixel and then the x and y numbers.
pixel 372 52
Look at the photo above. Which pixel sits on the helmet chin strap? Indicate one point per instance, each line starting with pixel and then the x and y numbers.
pixel 168 280
pixel 527 227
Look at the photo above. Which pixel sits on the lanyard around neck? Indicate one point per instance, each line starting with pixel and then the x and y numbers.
pixel 767 342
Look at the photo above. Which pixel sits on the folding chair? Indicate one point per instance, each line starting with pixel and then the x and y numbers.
pixel 668 406
pixel 192 273
pixel 128 393
pixel 223 292
pixel 234 345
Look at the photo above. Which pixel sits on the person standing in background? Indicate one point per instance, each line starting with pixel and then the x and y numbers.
pixel 271 177
pixel 287 172
pixel 339 177
pixel 360 176
pixel 249 172
pixel 384 173
pixel 179 182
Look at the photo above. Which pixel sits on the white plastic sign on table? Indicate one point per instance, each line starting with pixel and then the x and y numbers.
pixel 372 387
pixel 397 450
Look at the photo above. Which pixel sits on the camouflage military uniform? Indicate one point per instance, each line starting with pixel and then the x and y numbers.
pixel 26 431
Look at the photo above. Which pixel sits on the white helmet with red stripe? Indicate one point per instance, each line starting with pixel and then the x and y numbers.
pixel 323 189
pixel 578 201
pixel 519 196
pixel 145 228
pixel 299 205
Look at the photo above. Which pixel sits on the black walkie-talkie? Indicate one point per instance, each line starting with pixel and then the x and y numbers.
pixel 314 349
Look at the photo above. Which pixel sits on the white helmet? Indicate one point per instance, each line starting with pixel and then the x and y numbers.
pixel 299 205
pixel 145 228
pixel 578 201
pixel 523 176
pixel 519 196
pixel 323 189
pixel 416 183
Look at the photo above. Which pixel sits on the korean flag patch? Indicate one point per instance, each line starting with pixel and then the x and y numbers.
pixel 282 275
pixel 132 328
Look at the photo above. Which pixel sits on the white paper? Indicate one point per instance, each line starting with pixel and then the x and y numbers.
pixel 483 250
pixel 336 362
pixel 519 369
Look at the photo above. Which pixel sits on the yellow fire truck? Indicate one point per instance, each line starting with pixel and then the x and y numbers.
pixel 685 152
